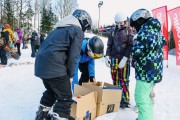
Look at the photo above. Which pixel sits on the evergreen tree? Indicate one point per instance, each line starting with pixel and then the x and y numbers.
pixel 48 20
pixel 8 12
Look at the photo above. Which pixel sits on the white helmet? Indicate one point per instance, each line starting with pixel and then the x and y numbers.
pixel 120 17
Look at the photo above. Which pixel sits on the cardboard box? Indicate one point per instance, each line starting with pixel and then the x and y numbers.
pixel 84 106
pixel 108 98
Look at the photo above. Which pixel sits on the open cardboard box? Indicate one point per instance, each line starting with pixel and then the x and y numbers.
pixel 84 106
pixel 108 96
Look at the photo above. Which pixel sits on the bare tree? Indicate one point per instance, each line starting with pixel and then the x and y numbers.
pixel 65 7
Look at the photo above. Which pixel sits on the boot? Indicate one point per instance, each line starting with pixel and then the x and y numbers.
pixel 42 113
pixel 124 105
pixel 55 116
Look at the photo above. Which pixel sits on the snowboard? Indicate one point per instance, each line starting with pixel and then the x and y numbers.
pixel 12 52
pixel 16 64
pixel 8 49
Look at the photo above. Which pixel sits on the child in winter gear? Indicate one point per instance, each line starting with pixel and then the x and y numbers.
pixel 19 41
pixel 91 49
pixel 11 34
pixel 119 45
pixel 147 55
pixel 4 40
pixel 34 38
pixel 56 61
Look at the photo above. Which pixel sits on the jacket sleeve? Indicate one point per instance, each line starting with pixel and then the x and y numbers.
pixel 74 51
pixel 109 45
pixel 6 36
pixel 75 76
pixel 138 48
pixel 129 43
pixel 91 68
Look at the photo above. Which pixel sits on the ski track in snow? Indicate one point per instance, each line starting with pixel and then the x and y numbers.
pixel 20 90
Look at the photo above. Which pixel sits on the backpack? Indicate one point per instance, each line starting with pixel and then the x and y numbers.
pixel 16 38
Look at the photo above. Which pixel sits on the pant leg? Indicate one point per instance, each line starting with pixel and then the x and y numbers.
pixel 23 47
pixel 152 95
pixel 124 74
pixel 33 50
pixel 143 100
pixel 3 56
pixel 64 97
pixel 48 98
pixel 59 91
pixel 18 48
pixel 83 67
pixel 114 71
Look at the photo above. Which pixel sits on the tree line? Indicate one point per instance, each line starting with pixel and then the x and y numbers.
pixel 29 14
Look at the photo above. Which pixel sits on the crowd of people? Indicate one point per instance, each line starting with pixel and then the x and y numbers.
pixel 14 39
pixel 65 51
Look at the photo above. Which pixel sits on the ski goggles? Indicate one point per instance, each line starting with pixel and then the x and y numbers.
pixel 94 55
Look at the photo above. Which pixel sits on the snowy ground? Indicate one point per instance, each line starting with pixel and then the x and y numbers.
pixel 20 91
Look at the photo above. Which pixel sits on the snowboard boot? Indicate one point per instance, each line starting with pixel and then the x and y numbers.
pixel 55 116
pixel 124 105
pixel 42 113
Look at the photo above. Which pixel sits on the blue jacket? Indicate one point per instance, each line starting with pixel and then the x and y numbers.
pixel 147 52
pixel 83 57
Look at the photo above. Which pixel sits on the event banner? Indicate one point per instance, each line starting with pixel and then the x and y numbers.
pixel 174 15
pixel 161 14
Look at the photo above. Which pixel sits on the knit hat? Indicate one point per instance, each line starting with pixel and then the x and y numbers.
pixel 7 26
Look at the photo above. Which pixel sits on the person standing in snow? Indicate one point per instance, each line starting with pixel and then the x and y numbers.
pixel 4 40
pixel 119 46
pixel 11 35
pixel 56 61
pixel 147 54
pixel 34 38
pixel 19 41
pixel 92 48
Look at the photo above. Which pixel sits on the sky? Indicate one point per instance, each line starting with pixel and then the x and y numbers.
pixel 21 91
pixel 111 7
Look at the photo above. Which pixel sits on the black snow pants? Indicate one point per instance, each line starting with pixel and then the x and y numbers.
pixel 58 93
pixel 3 57
pixel 83 67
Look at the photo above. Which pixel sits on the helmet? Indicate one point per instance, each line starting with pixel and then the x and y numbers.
pixel 1 27
pixel 96 47
pixel 120 17
pixel 84 19
pixel 139 17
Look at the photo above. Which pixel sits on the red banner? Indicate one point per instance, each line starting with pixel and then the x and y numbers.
pixel 161 14
pixel 174 15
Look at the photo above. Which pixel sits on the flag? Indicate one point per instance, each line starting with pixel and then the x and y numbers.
pixel 161 14
pixel 174 15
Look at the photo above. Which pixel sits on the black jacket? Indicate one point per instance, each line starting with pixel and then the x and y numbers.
pixel 120 43
pixel 57 56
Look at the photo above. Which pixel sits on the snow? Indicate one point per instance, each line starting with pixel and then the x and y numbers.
pixel 20 90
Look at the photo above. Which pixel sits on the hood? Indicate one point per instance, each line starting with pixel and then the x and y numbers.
pixel 68 21
pixel 7 26
pixel 152 24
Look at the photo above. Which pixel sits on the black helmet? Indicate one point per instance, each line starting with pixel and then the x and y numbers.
pixel 1 26
pixel 84 19
pixel 96 47
pixel 139 17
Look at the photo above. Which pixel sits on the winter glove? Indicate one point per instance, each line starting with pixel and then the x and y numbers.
pixel 107 61
pixel 122 63
pixel 71 79
pixel 92 79
pixel 135 37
